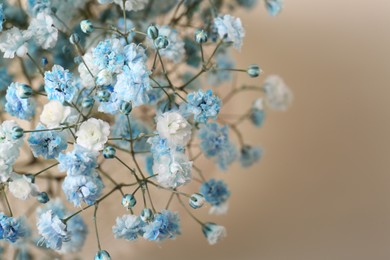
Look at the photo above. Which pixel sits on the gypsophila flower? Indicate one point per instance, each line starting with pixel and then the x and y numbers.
pixel 278 96
pixel 47 144
pixel 59 84
pixel 14 41
pixel 42 30
pixel 87 68
pixel 52 229
pixel 174 127
pixel 274 6
pixel 224 62
pixel 22 187
pixel 23 108
pixel 128 227
pixel 204 105
pixel 250 155
pixel 109 54
pixel 54 114
pixel 79 161
pixel 93 134
pixel 175 50
pixel 213 232
pixel 230 29
pixel 11 229
pixel 166 225
pixel 217 194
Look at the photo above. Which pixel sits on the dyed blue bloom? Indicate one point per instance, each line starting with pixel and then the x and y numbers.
pixel 218 77
pixel 215 192
pixel 52 229
pixel 247 3
pixel 159 147
pixel 274 6
pixel 49 144
pixel 1 17
pixel 166 225
pixel 83 188
pixel 204 105
pixel 175 50
pixel 111 106
pixel 128 227
pixel 230 29
pixel 121 129
pixel 149 164
pixel 80 161
pixel 5 80
pixel 76 226
pixel 11 229
pixel 109 55
pixel 37 6
pixel 133 84
pixel 257 117
pixel 59 84
pixel 250 155
pixel 215 143
pixel 134 54
pixel 16 106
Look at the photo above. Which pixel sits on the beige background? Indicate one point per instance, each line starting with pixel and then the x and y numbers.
pixel 322 190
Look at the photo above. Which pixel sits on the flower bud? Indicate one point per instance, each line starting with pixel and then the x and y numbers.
pixel 86 26
pixel 44 61
pixel 74 38
pixel 23 91
pixel 109 152
pixel 147 215
pixel 152 32
pixel 254 71
pixel 196 200
pixel 103 95
pixel 42 197
pixel 213 232
pixel 17 132
pixel 128 201
pixel 125 107
pixel 87 102
pixel 102 255
pixel 31 177
pixel 201 36
pixel 161 42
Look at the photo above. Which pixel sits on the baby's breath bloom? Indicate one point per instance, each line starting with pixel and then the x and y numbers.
pixel 42 30
pixel 59 84
pixel 14 41
pixel 93 134
pixel 54 114
pixel 230 29
pixel 174 127
pixel 278 95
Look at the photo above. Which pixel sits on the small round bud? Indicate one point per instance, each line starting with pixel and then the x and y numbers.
pixel 125 107
pixel 109 152
pixel 23 91
pixel 201 36
pixel 86 26
pixel 74 38
pixel 44 61
pixel 152 32
pixel 42 197
pixel 161 42
pixel 31 177
pixel 77 59
pixel 17 132
pixel 254 71
pixel 128 201
pixel 196 200
pixel 147 215
pixel 103 95
pixel 87 102
pixel 102 255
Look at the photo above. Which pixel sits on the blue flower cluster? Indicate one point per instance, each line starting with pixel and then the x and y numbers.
pixel 204 105
pixel 23 108
pixel 47 144
pixel 11 229
pixel 249 155
pixel 59 84
pixel 215 192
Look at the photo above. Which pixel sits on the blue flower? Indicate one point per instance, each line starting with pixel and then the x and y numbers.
pixel 175 50
pixel 250 155
pixel 49 144
pixel 16 106
pixel 247 3
pixel 109 55
pixel 257 117
pixel 83 188
pixel 128 227
pixel 80 161
pixel 204 105
pixel 37 6
pixel 215 192
pixel 11 229
pixel 230 29
pixel 219 76
pixel 274 6
pixel 213 139
pixel 166 225
pixel 52 229
pixel 59 84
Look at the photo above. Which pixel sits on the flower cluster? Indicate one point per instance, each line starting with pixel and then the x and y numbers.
pixel 130 88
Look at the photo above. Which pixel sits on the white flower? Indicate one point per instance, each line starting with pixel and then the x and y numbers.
pixel 104 78
pixel 13 41
pixel 93 134
pixel 43 31
pixel 22 188
pixel 132 5
pixel 174 127
pixel 277 94
pixel 213 232
pixel 87 80
pixel 230 29
pixel 220 209
pixel 54 113
pixel 173 170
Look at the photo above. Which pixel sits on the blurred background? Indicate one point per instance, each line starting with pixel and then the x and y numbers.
pixel 322 189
